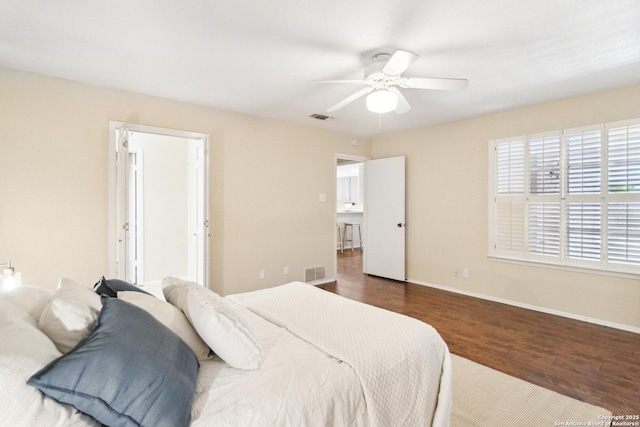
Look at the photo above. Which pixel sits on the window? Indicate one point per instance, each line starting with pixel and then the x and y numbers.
pixel 568 197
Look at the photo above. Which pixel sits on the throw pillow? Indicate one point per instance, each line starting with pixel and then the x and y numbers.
pixel 70 314
pixel 130 371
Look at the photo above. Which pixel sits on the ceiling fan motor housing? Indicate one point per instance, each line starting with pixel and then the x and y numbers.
pixel 373 72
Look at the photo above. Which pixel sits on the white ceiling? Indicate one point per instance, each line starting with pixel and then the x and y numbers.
pixel 259 57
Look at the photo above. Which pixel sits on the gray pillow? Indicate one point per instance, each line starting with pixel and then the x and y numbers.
pixel 130 370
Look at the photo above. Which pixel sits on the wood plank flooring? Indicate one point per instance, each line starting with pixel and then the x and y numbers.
pixel 591 363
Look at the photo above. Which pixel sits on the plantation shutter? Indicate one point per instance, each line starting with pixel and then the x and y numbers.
pixel 544 165
pixel 623 223
pixel 544 206
pixel 584 162
pixel 510 164
pixel 583 188
pixel 544 228
pixel 624 232
pixel 624 159
pixel 509 203
pixel 510 216
pixel 584 231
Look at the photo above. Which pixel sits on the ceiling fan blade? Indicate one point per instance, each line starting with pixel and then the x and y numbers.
pixel 362 92
pixel 399 62
pixel 340 81
pixel 435 84
pixel 403 104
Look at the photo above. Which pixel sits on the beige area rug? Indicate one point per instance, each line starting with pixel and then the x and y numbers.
pixel 486 397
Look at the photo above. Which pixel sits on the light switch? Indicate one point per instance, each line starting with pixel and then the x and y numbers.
pixel 323 197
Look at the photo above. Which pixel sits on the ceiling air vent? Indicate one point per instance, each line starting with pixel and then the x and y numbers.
pixel 320 117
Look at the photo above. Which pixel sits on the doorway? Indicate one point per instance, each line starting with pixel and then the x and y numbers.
pixel 349 208
pixel 383 218
pixel 160 204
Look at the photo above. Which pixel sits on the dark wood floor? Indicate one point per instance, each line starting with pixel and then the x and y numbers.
pixel 591 363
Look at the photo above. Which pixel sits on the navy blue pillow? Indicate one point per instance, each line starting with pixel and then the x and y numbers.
pixel 130 370
pixel 111 287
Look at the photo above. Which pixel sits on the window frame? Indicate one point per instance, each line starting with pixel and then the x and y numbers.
pixel 604 198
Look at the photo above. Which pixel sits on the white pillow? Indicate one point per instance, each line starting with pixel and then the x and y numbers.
pixel 70 314
pixel 11 313
pixel 171 317
pixel 175 290
pixel 24 350
pixel 215 322
pixel 29 298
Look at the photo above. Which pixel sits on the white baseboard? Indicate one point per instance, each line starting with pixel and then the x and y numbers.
pixel 322 281
pixel 600 322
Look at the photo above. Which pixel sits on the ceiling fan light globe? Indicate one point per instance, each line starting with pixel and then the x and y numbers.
pixel 382 101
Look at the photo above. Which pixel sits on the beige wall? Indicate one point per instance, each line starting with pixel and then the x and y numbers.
pixel 266 177
pixel 447 210
pixel 265 180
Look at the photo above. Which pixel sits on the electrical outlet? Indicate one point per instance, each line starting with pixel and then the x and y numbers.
pixel 286 271
pixel 465 272
pixel 261 274
pixel 456 272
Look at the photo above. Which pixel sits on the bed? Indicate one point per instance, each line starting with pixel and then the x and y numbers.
pixel 292 355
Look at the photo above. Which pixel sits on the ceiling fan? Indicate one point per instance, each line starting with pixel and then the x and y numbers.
pixel 383 77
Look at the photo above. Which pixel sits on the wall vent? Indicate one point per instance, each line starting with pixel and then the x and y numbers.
pixel 320 117
pixel 310 274
pixel 314 273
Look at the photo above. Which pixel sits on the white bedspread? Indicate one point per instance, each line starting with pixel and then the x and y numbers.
pixel 402 363
pixel 297 385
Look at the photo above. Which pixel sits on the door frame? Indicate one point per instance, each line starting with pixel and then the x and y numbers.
pixel 114 193
pixel 355 158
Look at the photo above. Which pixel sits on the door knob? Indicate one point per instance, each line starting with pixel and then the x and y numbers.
pixel 400 225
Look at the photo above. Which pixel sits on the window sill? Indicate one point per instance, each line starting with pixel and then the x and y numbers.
pixel 584 270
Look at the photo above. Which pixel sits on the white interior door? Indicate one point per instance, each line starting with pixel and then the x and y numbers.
pixel 201 212
pixel 384 249
pixel 132 214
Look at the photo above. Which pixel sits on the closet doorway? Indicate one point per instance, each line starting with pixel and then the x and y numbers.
pixel 159 210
